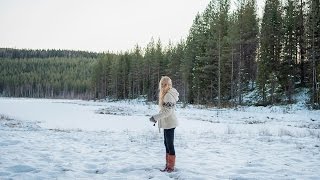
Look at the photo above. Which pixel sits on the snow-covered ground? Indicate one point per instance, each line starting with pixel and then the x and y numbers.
pixel 74 139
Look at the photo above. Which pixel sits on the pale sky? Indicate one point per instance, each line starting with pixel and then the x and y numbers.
pixel 94 25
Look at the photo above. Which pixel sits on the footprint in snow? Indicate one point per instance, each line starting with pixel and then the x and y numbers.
pixel 21 168
pixel 8 143
pixel 4 174
pixel 95 171
pixel 101 171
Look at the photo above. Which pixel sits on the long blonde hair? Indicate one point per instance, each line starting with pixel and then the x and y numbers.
pixel 164 85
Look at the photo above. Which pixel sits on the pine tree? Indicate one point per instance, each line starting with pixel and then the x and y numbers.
pixel 191 67
pixel 136 73
pixel 290 49
pixel 224 52
pixel 152 65
pixel 250 30
pixel 174 57
pixel 314 49
pixel 233 34
pixel 301 42
pixel 270 51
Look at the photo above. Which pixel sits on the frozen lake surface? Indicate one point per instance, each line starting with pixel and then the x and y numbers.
pixel 74 139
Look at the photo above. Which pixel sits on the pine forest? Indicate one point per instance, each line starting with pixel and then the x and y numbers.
pixel 227 55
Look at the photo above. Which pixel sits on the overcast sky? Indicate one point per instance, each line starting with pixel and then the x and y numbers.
pixel 94 25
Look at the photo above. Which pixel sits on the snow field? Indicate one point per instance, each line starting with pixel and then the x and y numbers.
pixel 72 139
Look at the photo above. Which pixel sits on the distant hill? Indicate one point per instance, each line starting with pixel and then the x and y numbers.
pixel 44 53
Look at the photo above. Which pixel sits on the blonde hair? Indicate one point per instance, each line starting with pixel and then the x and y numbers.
pixel 164 85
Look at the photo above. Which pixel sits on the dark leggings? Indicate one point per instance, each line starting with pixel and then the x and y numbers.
pixel 168 140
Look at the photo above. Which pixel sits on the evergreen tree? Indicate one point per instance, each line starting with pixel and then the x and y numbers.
pixel 174 57
pixel 301 42
pixel 270 51
pixel 136 73
pixel 233 34
pixel 195 48
pixel 249 30
pixel 314 49
pixel 220 52
pixel 290 49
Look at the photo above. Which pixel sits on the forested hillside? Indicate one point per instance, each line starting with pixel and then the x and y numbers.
pixel 226 55
pixel 46 77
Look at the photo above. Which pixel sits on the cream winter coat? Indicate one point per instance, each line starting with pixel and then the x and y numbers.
pixel 166 118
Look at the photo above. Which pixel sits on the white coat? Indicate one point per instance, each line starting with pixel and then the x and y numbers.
pixel 166 118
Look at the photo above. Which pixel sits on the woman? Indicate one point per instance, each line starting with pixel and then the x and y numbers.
pixel 167 119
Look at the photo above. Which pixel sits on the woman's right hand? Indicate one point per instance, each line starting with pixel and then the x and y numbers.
pixel 152 119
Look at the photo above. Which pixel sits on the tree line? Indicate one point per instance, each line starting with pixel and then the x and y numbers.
pixel 225 55
pixel 43 53
pixel 46 77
